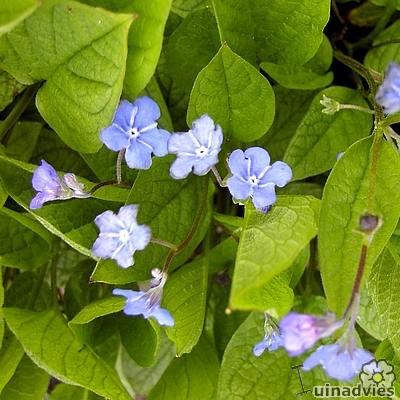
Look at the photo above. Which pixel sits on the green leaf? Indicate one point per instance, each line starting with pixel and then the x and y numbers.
pixel 379 57
pixel 2 326
pixel 70 46
pixel 320 137
pixel 297 77
pixel 185 7
pixel 23 241
pixel 364 180
pixel 270 243
pixel 235 95
pixel 12 13
pixel 144 43
pixel 185 298
pixel 140 339
pixel 99 308
pixel 47 339
pixel 192 376
pixel 68 392
pixel 28 382
pixel 71 220
pixel 275 31
pixel 178 211
pixel 384 287
pixel 244 376
pixel 9 89
pixel 291 105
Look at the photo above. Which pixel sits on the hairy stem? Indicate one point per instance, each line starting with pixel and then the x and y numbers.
pixel 118 168
pixel 218 177
pixel 164 243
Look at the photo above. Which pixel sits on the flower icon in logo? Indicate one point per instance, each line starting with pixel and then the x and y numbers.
pixel 377 373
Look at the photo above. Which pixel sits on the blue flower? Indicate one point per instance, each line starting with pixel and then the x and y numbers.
pixel 134 129
pixel 271 342
pixel 120 235
pixel 50 186
pixel 253 176
pixel 388 95
pixel 147 303
pixel 339 362
pixel 301 331
pixel 196 149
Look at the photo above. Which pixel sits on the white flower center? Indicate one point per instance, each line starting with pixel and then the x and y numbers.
pixel 202 151
pixel 134 132
pixel 123 236
pixel 253 180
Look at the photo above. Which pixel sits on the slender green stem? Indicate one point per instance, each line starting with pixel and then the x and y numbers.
pixel 16 112
pixel 164 243
pixel 218 177
pixel 118 170
pixel 385 43
pixel 355 107
pixel 391 120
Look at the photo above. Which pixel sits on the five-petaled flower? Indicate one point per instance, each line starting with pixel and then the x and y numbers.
pixel 253 176
pixel 135 129
pixel 388 94
pixel 196 149
pixel 301 331
pixel 340 361
pixel 120 235
pixel 50 186
pixel 147 303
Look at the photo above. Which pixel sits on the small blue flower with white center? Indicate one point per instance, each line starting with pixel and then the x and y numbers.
pixel 253 176
pixel 340 361
pixel 135 129
pixel 50 186
pixel 197 150
pixel 388 94
pixel 147 303
pixel 120 235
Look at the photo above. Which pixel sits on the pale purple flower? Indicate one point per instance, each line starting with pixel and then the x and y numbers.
pixel 271 342
pixel 147 303
pixel 388 95
pixel 120 236
pixel 197 150
pixel 50 186
pixel 135 129
pixel 253 176
pixel 342 362
pixel 301 331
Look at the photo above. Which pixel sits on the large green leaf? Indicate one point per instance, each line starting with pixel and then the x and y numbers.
pixel 235 95
pixel 28 382
pixel 364 180
pixel 47 339
pixel 178 211
pixel 288 32
pixel 384 287
pixel 13 12
pixel 185 7
pixel 270 243
pixel 72 221
pixel 191 377
pixel 23 139
pixel 80 52
pixel 9 89
pixel 291 105
pixel 24 243
pixel 320 137
pixel 379 57
pixel 185 298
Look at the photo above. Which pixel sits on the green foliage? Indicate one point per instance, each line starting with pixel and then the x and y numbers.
pixel 13 13
pixel 235 95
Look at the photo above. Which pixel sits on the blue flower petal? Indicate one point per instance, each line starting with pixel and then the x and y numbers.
pixel 388 94
pixel 128 214
pixel 114 138
pixel 259 160
pixel 40 199
pixel 259 348
pixel 128 294
pixel 182 167
pixel 104 246
pixel 123 255
pixel 181 143
pixel 108 222
pixel 45 178
pixel 163 317
pixel 264 196
pixel 124 115
pixel 140 236
pixel 203 129
pixel 148 112
pixel 203 166
pixel 158 140
pixel 138 155
pixel 239 165
pixel 239 190
pixel 279 173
